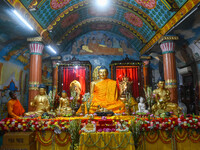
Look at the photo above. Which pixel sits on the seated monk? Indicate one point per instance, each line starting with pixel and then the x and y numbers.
pixel 40 102
pixel 105 94
pixel 15 109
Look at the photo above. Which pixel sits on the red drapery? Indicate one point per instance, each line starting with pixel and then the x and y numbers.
pixel 132 73
pixel 70 74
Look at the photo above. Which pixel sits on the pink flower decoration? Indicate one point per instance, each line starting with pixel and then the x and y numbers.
pixel 57 4
pixel 149 4
pixel 133 19
pixel 127 33
pixel 69 20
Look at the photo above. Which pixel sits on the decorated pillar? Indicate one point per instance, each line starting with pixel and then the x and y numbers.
pixel 55 76
pixel 167 46
pixel 146 73
pixel 35 73
pixel 146 61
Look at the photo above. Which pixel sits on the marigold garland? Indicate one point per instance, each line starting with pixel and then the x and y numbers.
pixel 151 137
pixel 194 137
pixel 64 141
pixel 43 141
pixel 164 138
pixel 181 136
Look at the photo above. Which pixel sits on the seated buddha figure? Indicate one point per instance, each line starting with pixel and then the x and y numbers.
pixel 64 107
pixel 105 93
pixel 163 103
pixel 162 95
pixel 40 102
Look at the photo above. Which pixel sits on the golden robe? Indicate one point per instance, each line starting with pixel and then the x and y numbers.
pixel 106 95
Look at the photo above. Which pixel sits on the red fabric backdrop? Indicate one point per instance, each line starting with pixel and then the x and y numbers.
pixel 70 74
pixel 132 73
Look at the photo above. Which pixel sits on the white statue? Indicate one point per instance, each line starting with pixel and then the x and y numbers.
pixel 141 106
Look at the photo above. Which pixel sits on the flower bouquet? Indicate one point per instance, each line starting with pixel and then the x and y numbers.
pixel 50 97
pixel 88 99
pixel 149 97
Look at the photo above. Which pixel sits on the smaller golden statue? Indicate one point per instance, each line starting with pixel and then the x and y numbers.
pixel 75 86
pixel 162 98
pixel 64 108
pixel 124 86
pixel 40 102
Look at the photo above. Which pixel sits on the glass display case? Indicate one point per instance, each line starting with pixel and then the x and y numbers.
pixel 74 74
pixel 128 75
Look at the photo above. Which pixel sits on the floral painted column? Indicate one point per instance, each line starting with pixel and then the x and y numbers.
pixel 35 74
pixel 167 46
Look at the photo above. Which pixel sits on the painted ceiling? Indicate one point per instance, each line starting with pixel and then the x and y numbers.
pixel 141 22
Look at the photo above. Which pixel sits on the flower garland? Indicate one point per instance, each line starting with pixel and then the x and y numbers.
pixel 170 129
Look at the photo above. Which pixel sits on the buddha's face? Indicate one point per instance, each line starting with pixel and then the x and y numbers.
pixel 161 84
pixel 103 73
pixel 42 91
pixel 64 95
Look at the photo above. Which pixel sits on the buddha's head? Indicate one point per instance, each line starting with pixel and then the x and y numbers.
pixel 161 84
pixel 64 94
pixel 103 73
pixel 141 100
pixel 42 89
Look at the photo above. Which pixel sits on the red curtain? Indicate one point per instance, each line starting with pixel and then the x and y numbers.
pixel 70 74
pixel 132 73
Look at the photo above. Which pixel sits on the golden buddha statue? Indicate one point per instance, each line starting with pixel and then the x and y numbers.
pixel 40 102
pixel 64 107
pixel 162 98
pixel 75 86
pixel 105 94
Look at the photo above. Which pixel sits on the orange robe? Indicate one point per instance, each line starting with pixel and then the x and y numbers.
pixel 106 95
pixel 15 109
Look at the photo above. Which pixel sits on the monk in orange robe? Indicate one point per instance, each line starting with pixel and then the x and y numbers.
pixel 15 109
pixel 105 94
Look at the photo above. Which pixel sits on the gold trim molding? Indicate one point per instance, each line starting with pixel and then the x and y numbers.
pixel 33 88
pixel 35 39
pixel 171 81
pixel 167 38
pixel 145 57
pixel 34 82
pixel 170 86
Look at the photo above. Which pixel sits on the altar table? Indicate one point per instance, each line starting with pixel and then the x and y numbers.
pixel 106 140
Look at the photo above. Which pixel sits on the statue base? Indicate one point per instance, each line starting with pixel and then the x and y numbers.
pixel 109 113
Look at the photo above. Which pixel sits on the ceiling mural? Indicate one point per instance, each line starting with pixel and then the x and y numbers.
pixel 101 26
pixel 140 21
pixel 100 43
